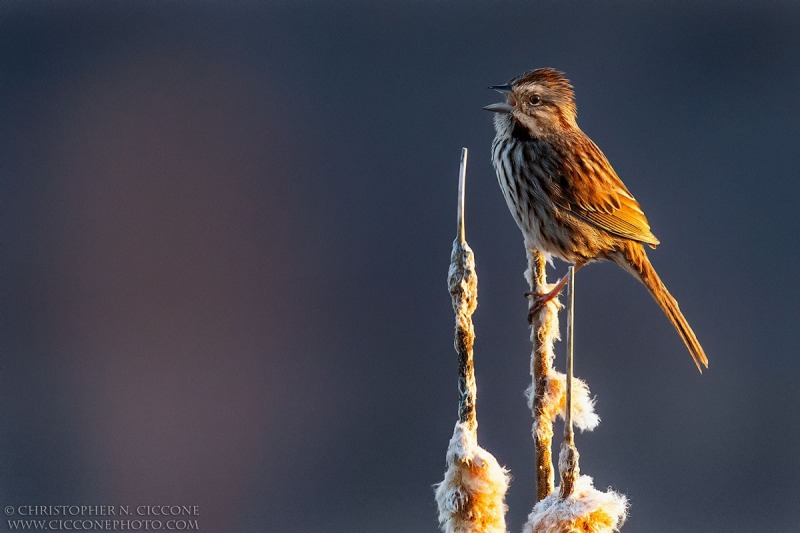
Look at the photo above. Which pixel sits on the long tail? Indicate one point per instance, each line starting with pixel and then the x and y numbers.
pixel 637 263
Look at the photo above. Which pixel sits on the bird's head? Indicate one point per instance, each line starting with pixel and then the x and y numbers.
pixel 540 100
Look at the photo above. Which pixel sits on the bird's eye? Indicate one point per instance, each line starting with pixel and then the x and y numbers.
pixel 535 100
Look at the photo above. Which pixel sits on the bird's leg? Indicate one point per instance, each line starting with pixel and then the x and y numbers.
pixel 540 300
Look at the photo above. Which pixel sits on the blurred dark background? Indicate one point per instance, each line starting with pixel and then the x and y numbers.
pixel 226 232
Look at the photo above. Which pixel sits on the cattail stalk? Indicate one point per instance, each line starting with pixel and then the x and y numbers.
pixel 576 507
pixel 471 498
pixel 462 282
pixel 547 397
pixel 544 330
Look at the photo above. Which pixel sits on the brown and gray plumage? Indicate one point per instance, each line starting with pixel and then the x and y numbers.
pixel 563 193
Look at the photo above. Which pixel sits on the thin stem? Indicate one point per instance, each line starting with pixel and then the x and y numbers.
pixel 462 181
pixel 568 431
pixel 568 458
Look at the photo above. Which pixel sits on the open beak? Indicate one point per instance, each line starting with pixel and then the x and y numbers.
pixel 502 107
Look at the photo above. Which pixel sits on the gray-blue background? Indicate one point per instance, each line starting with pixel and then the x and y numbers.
pixel 226 230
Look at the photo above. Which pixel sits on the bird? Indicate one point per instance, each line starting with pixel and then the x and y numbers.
pixel 565 196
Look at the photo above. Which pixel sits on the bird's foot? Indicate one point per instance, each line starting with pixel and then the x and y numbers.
pixel 538 301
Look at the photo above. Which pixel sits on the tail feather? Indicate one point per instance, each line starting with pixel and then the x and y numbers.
pixel 639 265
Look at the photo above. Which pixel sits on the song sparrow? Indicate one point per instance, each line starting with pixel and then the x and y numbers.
pixel 563 193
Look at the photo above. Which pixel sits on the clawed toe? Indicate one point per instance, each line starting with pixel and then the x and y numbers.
pixel 535 307
pixel 538 301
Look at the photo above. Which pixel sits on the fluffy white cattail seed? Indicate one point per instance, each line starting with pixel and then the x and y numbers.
pixel 471 499
pixel 586 510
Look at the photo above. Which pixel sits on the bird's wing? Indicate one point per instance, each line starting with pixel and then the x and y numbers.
pixel 590 189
